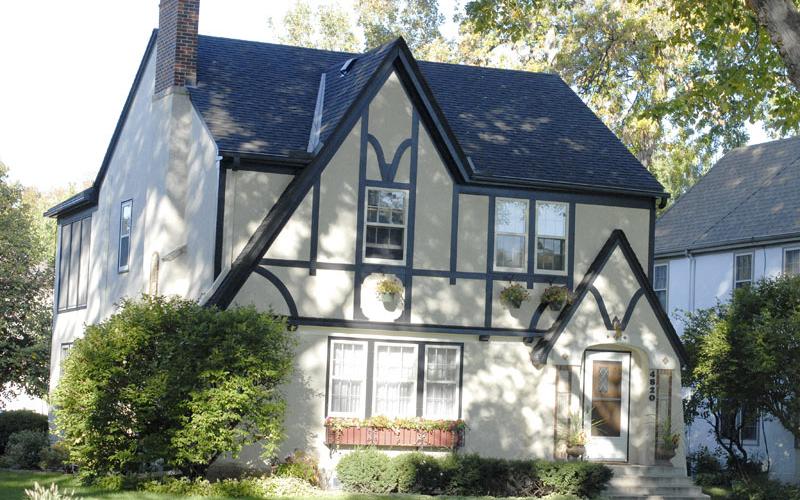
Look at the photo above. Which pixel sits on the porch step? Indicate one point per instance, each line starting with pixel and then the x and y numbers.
pixel 651 482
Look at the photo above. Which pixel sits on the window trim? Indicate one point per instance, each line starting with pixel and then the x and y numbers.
pixel 59 282
pixel 551 272
pixel 525 235
pixel 126 267
pixel 374 400
pixel 666 285
pixel 736 256
pixel 364 381
pixel 783 254
pixel 740 428
pixel 368 396
pixel 380 260
pixel 425 380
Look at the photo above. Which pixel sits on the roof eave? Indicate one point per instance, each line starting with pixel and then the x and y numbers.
pixel 85 199
pixel 731 244
pixel 566 186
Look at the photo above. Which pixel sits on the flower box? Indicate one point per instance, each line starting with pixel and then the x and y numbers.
pixel 356 433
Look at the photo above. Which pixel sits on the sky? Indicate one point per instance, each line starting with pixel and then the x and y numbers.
pixel 66 68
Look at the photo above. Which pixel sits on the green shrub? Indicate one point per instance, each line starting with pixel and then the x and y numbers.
pixel 302 466
pixel 712 479
pixel 237 488
pixel 584 479
pixel 117 482
pixel 288 487
pixel 19 420
pixel 176 486
pixel 703 461
pixel 367 471
pixel 195 382
pixel 53 457
pixel 23 447
pixel 764 489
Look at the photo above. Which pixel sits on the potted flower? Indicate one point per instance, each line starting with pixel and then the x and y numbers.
pixel 556 296
pixel 388 290
pixel 514 295
pixel 574 437
pixel 668 442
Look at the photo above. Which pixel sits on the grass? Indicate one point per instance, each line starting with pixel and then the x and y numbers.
pixel 14 483
pixel 717 492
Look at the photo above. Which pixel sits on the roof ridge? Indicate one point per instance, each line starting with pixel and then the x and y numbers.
pixel 277 44
pixel 747 198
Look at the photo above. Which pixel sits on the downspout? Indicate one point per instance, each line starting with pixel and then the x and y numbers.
pixel 692 272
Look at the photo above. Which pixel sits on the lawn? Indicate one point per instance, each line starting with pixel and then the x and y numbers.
pixel 14 483
pixel 717 492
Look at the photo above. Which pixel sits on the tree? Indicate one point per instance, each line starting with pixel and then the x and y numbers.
pixel 26 282
pixel 169 379
pixel 744 355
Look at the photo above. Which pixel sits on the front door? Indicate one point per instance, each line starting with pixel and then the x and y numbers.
pixel 606 393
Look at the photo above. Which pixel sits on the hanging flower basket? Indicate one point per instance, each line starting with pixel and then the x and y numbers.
pixel 389 290
pixel 514 295
pixel 556 296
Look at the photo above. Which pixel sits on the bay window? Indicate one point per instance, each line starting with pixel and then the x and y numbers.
pixel 393 379
pixel 511 234
pixel 551 237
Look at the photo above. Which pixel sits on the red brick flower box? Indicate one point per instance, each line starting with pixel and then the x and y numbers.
pixel 394 438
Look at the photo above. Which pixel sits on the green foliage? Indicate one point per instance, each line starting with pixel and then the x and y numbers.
pixel 288 486
pixel 167 379
pixel 514 295
pixel 19 420
pixel 250 488
pixel 764 489
pixel 53 457
pixel 39 492
pixel 744 355
pixel 367 471
pixel 23 447
pixel 301 465
pixel 26 282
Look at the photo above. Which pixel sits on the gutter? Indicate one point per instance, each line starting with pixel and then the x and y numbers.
pixel 567 186
pixel 753 241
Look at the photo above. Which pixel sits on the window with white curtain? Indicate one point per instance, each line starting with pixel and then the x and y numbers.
pixel 511 234
pixel 551 236
pixel 743 270
pixel 348 377
pixel 395 374
pixel 441 381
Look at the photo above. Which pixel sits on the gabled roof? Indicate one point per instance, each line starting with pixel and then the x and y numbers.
pixel 516 127
pixel 752 194
pixel 617 239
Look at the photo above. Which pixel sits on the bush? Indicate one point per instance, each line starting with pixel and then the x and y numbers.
pixel 53 457
pixel 19 420
pixel 23 447
pixel 703 461
pixel 367 471
pixel 288 487
pixel 39 492
pixel 584 479
pixel 300 465
pixel 764 489
pixel 469 475
pixel 195 383
pixel 250 487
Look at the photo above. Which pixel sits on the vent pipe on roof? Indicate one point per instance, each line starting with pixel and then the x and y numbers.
pixel 176 51
pixel 347 66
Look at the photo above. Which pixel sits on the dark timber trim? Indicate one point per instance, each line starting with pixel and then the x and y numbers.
pixel 219 235
pixel 601 304
pixel 651 242
pixel 314 242
pixel 412 327
pixel 454 233
pixel 617 239
pixel 287 296
pixel 362 181
pixel 388 170
pixel 411 215
pixel 487 321
pixel 571 246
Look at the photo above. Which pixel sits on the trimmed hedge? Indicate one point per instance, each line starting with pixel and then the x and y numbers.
pixel 19 420
pixel 370 471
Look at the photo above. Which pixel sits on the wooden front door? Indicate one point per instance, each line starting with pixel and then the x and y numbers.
pixel 606 398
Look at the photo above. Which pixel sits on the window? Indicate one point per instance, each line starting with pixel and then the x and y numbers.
pixel 385 225
pixel 742 420
pixel 661 283
pixel 65 348
pixel 348 376
pixel 124 235
pixel 551 236
pixel 394 379
pixel 511 234
pixel 791 261
pixel 441 382
pixel 743 270
pixel 73 265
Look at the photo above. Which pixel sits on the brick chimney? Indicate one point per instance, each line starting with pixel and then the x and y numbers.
pixel 176 51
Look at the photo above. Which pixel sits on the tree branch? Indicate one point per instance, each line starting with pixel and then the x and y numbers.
pixel 782 21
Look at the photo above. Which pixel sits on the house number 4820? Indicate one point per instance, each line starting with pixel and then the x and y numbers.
pixel 652 385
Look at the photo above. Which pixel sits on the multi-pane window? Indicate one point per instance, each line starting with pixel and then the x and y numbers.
pixel 73 265
pixel 743 421
pixel 385 235
pixel 395 380
pixel 551 236
pixel 348 376
pixel 404 379
pixel 125 216
pixel 791 261
pixel 441 381
pixel 743 270
pixel 661 283
pixel 511 234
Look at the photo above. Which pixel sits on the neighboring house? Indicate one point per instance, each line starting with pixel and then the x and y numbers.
pixel 297 179
pixel 740 223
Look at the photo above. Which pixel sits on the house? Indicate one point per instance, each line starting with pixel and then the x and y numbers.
pixel 737 225
pixel 301 180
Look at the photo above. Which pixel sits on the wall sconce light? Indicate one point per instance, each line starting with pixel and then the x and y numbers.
pixel 617 324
